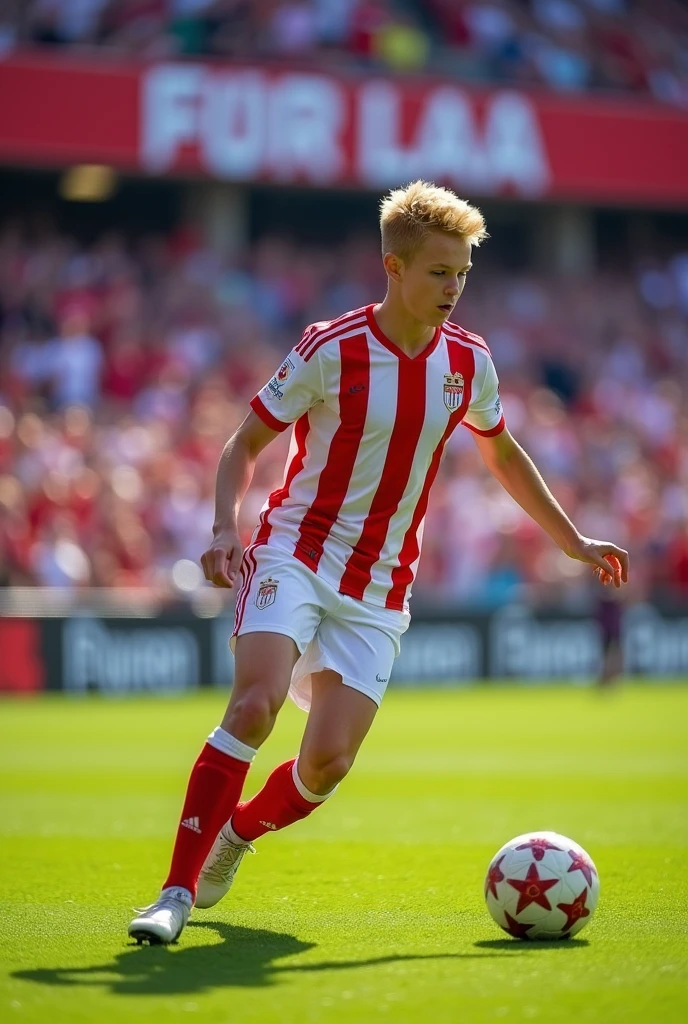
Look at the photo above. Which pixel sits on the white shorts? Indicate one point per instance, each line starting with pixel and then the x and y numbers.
pixel 279 594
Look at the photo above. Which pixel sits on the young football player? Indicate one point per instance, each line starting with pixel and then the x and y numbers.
pixel 322 602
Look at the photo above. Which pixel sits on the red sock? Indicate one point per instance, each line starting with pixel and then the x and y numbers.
pixel 211 797
pixel 278 804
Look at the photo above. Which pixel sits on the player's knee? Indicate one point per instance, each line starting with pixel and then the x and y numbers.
pixel 323 772
pixel 251 717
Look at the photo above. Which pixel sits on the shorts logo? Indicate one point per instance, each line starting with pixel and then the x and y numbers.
pixel 379 680
pixel 453 390
pixel 267 591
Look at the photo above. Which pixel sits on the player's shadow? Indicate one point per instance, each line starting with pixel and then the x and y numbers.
pixel 246 958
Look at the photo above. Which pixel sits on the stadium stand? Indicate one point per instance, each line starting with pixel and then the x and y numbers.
pixel 634 46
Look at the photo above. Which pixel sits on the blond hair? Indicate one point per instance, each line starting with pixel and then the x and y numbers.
pixel 408 215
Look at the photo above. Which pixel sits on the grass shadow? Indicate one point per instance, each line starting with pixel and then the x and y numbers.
pixel 245 958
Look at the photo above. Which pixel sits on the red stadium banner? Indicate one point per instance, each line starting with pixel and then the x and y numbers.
pixel 22 667
pixel 251 123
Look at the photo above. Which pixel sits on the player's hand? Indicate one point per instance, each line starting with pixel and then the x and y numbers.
pixel 222 559
pixel 610 562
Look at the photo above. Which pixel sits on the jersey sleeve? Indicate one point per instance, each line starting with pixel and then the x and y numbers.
pixel 295 388
pixel 485 414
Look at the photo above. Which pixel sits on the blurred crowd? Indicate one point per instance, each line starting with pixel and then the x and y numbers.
pixel 639 46
pixel 125 367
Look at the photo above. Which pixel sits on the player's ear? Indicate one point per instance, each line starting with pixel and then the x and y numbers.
pixel 393 265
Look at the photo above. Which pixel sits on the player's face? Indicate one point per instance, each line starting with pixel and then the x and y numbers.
pixel 433 280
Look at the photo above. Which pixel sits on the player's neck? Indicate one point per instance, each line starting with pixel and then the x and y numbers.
pixel 407 333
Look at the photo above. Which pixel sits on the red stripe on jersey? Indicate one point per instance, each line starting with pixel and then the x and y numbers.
pixel 454 331
pixel 332 327
pixel 488 433
pixel 307 335
pixel 322 339
pixel 277 497
pixel 461 360
pixel 354 383
pixel 322 325
pixel 408 424
pixel 266 416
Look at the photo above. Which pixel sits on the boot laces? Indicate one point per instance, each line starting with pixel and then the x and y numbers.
pixel 226 864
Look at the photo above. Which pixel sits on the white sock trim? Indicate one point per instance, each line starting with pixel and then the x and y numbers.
pixel 234 837
pixel 313 798
pixel 230 745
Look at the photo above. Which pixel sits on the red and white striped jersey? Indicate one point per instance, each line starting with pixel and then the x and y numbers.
pixel 371 424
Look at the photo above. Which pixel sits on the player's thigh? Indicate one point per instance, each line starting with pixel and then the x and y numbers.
pixel 264 661
pixel 263 667
pixel 338 722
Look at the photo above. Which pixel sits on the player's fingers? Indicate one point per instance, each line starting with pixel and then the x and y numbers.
pixel 220 576
pixel 622 558
pixel 605 578
pixel 600 561
pixel 606 566
pixel 234 562
pixel 616 558
pixel 616 568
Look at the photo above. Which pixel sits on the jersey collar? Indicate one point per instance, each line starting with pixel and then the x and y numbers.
pixel 399 352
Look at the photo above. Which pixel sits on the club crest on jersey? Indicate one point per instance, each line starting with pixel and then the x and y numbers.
pixel 453 390
pixel 267 591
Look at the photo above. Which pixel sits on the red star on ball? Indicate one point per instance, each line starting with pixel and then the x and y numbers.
pixel 538 846
pixel 574 911
pixel 532 889
pixel 582 863
pixel 515 928
pixel 494 875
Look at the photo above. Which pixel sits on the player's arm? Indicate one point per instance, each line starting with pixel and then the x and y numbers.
pixel 517 473
pixel 296 387
pixel 234 474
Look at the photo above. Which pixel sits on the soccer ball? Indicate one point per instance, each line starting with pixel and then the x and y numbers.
pixel 541 886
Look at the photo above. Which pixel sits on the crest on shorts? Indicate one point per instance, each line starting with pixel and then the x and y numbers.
pixel 267 592
pixel 453 390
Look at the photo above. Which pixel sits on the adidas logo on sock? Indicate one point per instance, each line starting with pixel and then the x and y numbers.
pixel 191 823
pixel 269 824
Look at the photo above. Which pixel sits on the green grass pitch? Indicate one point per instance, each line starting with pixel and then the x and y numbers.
pixel 372 909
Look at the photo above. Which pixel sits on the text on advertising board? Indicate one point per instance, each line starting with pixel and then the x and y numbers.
pixel 293 126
